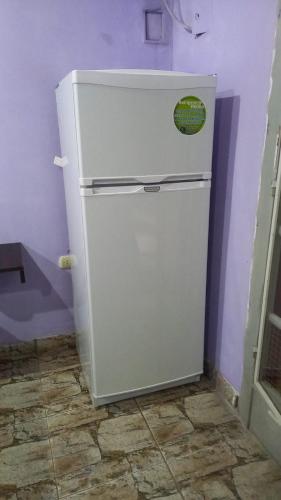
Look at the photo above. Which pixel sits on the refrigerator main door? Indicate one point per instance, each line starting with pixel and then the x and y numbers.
pixel 130 132
pixel 147 254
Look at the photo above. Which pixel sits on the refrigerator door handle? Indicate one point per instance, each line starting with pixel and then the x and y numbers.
pixel 111 190
pixel 144 189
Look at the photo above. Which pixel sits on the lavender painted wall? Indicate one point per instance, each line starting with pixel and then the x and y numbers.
pixel 239 48
pixel 40 41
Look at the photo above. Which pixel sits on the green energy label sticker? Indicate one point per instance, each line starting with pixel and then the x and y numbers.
pixel 190 115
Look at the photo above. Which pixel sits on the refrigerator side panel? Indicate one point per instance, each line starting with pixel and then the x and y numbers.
pixel 81 295
pixel 125 132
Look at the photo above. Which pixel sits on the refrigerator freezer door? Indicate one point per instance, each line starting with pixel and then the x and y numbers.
pixel 146 257
pixel 129 132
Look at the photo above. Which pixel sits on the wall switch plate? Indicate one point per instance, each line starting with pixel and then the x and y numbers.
pixel 65 262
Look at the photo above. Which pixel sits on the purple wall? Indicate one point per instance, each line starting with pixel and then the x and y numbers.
pixel 239 49
pixel 40 41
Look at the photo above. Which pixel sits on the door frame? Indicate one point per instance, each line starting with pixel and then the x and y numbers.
pixel 264 216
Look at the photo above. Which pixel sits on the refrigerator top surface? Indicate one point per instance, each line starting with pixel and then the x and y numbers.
pixel 143 79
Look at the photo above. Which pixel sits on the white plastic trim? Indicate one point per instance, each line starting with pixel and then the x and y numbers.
pixel 177 19
pixel 275 320
pixel 275 416
pixel 60 161
pixel 272 408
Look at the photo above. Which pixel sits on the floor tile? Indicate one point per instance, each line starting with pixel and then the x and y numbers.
pixel 18 431
pixel 29 413
pixel 53 441
pixel 7 494
pixel 59 386
pixel 200 463
pixel 173 496
pixel 121 489
pixel 145 458
pixel 73 450
pixel 93 475
pixel 25 464
pixel 18 360
pixel 173 393
pixel 199 439
pixel 214 487
pixel 258 481
pixel 207 409
pixel 76 411
pixel 19 368
pixel 6 417
pixel 155 481
pixel 22 350
pixel 124 434
pixel 126 407
pixel 57 353
pixel 22 425
pixel 82 380
pixel 243 444
pixel 145 469
pixel 5 352
pixel 167 422
pixel 19 395
pixel 5 374
pixel 31 430
pixel 45 490
pixel 6 436
pixel 151 474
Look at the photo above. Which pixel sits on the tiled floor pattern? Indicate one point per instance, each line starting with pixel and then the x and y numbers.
pixel 172 445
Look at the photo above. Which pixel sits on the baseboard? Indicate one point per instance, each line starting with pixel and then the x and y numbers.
pixel 226 390
pixel 223 387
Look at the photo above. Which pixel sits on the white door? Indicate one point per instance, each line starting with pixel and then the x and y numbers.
pixel 147 254
pixel 260 399
pixel 265 419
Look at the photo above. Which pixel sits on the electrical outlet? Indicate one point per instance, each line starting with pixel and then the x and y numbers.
pixel 65 261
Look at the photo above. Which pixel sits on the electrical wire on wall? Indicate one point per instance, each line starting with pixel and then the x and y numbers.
pixel 179 20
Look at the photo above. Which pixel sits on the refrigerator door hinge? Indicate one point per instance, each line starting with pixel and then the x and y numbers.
pixel 60 161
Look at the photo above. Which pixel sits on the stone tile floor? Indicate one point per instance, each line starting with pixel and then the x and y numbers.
pixel 171 445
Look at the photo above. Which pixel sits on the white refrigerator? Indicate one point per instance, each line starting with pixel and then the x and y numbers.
pixel 137 150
